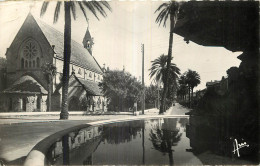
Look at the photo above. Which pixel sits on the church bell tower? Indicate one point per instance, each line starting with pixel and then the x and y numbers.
pixel 88 42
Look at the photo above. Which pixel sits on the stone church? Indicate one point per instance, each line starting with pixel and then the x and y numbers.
pixel 25 86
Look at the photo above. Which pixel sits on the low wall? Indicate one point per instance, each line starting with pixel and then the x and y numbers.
pixel 71 113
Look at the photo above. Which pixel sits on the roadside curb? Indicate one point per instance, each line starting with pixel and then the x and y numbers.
pixel 4 115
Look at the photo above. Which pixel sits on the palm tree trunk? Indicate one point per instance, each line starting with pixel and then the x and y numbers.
pixel 165 87
pixel 170 157
pixel 66 62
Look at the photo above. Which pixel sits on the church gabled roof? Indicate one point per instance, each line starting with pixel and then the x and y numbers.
pixel 26 85
pixel 91 87
pixel 79 55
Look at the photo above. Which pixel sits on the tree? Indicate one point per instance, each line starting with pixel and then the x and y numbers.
pixel 193 80
pixel 169 8
pixel 70 7
pixel 3 63
pixel 159 71
pixel 182 89
pixel 50 71
pixel 165 136
pixel 121 89
pixel 151 95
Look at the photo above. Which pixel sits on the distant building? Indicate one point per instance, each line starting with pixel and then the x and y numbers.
pixel 213 84
pixel 200 93
pixel 25 86
pixel 219 87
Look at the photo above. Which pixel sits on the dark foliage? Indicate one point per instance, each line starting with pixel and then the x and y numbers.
pixel 121 89
pixel 3 63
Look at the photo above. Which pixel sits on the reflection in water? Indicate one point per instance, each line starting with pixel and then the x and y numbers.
pixel 117 133
pixel 164 136
pixel 153 141
pixel 75 148
pixel 66 150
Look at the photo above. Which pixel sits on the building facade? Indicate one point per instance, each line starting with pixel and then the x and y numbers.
pixel 25 87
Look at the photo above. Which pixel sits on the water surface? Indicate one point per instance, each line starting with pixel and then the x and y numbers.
pixel 151 141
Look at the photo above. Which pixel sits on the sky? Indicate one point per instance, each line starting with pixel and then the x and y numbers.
pixel 119 36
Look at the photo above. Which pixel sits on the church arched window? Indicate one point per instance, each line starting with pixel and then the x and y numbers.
pixel 30 52
pixel 22 63
pixel 88 44
pixel 38 62
pixel 26 64
pixel 90 74
pixel 79 71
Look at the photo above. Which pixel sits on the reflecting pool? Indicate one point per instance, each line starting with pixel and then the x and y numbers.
pixel 160 141
pixel 151 141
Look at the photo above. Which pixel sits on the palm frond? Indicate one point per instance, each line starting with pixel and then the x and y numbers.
pixel 73 10
pixel 158 69
pixel 161 16
pixel 161 6
pixel 91 8
pixel 44 8
pixel 166 9
pixel 83 10
pixel 106 4
pixel 57 12
pixel 99 8
pixel 165 18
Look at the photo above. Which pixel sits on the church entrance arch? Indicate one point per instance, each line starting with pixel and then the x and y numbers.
pixel 24 104
pixel 38 104
pixel 74 104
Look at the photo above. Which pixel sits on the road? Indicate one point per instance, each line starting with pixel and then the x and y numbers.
pixel 177 110
pixel 18 139
pixel 19 135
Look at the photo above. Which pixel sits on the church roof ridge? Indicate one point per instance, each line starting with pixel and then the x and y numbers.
pixel 39 20
pixel 79 55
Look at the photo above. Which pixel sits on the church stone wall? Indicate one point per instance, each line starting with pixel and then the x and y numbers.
pixel 15 103
pixel 29 30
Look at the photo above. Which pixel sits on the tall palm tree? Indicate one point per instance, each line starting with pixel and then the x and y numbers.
pixel 182 86
pixel 70 7
pixel 165 137
pixel 193 80
pixel 168 9
pixel 159 71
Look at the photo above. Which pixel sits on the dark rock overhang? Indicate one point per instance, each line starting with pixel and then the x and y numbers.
pixel 233 25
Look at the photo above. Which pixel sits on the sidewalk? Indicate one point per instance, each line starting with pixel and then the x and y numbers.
pixel 177 110
pixel 18 135
pixel 11 118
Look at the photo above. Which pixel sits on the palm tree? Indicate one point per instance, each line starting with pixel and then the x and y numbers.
pixel 163 139
pixel 182 91
pixel 159 71
pixel 70 7
pixel 193 80
pixel 169 8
